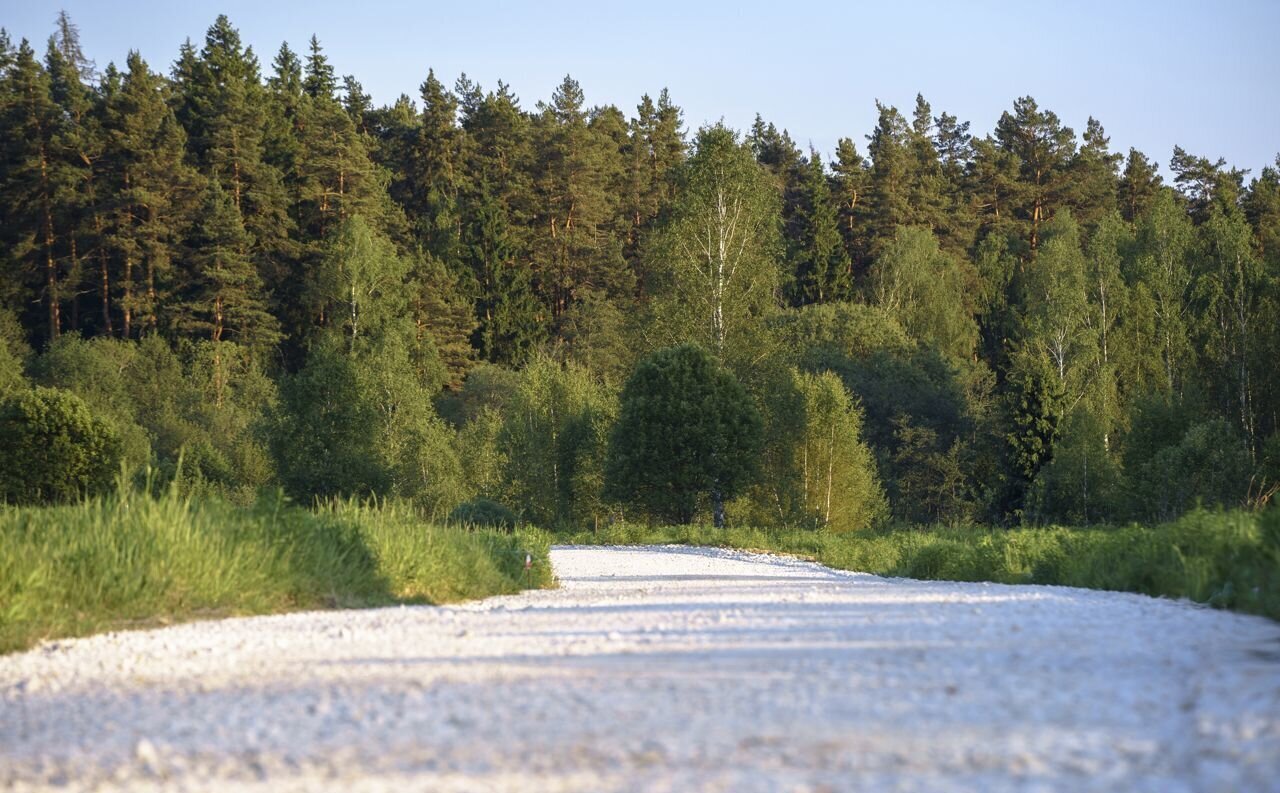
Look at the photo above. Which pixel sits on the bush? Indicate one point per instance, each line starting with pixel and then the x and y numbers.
pixel 54 448
pixel 483 512
pixel 687 430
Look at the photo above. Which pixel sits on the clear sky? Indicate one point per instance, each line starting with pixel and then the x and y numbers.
pixel 1199 74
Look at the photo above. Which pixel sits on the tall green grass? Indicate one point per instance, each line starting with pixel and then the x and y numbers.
pixel 1225 559
pixel 134 559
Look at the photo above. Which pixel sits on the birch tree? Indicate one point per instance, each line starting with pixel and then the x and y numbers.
pixel 718 252
pixel 818 471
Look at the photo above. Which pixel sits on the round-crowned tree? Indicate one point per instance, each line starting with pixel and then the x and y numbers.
pixel 687 430
pixel 54 448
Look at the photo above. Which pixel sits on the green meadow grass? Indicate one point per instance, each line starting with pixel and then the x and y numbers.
pixel 1225 559
pixel 131 559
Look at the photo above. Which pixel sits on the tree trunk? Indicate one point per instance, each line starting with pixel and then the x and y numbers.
pixel 127 325
pixel 50 267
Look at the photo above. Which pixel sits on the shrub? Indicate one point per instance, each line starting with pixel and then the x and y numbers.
pixel 687 430
pixel 54 448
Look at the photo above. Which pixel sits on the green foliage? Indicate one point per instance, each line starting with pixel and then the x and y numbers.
pixel 358 424
pixel 1082 483
pixel 927 291
pixel 553 436
pixel 131 559
pixel 686 431
pixel 823 270
pixel 180 246
pixel 204 402
pixel 918 418
pixel 1207 465
pixel 482 512
pixel 817 471
pixel 55 449
pixel 11 379
pixel 717 275
pixel 98 371
pixel 821 336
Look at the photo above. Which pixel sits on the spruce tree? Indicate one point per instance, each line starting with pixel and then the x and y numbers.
pixel 320 82
pixel 822 262
pixel 223 297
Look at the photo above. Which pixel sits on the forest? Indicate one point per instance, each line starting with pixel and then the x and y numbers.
pixel 247 277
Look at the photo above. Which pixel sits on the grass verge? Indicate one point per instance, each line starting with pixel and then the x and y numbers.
pixel 1225 559
pixel 132 560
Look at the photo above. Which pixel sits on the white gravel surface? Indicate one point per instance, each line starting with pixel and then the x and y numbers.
pixel 667 669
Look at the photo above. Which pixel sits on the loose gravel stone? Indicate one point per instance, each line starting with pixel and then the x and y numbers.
pixel 666 668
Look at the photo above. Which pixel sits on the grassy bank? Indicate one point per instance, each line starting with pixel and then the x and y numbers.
pixel 1229 560
pixel 130 560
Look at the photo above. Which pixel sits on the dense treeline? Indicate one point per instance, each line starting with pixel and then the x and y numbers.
pixel 258 271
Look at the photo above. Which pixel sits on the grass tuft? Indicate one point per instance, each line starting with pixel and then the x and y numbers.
pixel 131 559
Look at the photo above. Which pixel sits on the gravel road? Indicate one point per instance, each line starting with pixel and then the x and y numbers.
pixel 667 669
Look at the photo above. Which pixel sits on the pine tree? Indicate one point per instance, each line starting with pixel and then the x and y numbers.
pixel 927 192
pixel 1206 183
pixel 954 146
pixel 512 321
pixel 499 204
pixel 356 102
pixel 32 184
pixel 667 145
pixel 851 176
pixel 151 194
pixel 889 185
pixel 654 148
pixel 1093 179
pixel 992 185
pixel 1043 149
pixel 222 105
pixel 437 173
pixel 76 146
pixel 575 206
pixel 443 317
pixel 1139 184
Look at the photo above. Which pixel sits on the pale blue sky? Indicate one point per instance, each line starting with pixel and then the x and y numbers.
pixel 1200 74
